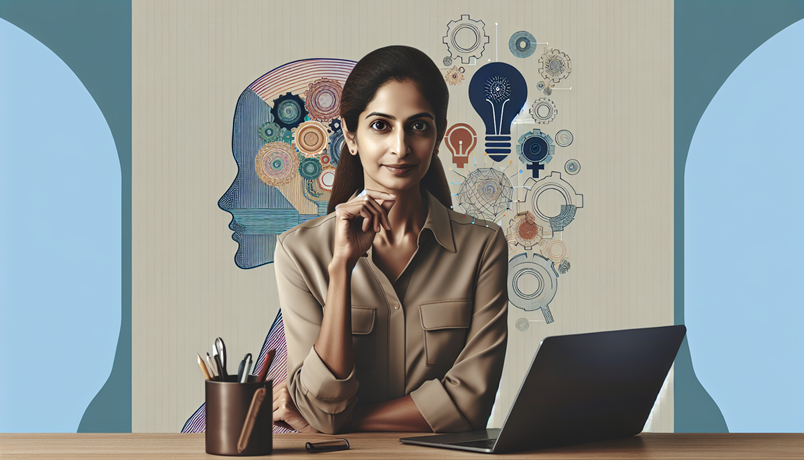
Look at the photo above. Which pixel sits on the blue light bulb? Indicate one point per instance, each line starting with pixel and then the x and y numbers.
pixel 498 92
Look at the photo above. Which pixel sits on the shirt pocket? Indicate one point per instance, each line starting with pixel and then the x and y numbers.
pixel 364 338
pixel 445 325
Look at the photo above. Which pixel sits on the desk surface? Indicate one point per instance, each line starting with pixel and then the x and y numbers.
pixel 386 445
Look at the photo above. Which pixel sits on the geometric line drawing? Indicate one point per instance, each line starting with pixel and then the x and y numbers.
pixel 554 65
pixel 543 110
pixel 310 138
pixel 563 267
pixel 535 149
pixel 532 283
pixel 466 38
pixel 522 44
pixel 564 218
pixel 486 194
pixel 269 131
pixel 572 167
pixel 564 138
pixel 554 183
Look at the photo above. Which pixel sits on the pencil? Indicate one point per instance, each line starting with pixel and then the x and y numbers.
pixel 269 358
pixel 203 367
pixel 211 368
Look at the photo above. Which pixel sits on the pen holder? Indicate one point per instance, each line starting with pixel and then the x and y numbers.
pixel 228 404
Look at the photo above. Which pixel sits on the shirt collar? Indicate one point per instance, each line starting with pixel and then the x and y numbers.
pixel 437 221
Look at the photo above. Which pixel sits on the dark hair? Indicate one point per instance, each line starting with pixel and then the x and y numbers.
pixel 400 63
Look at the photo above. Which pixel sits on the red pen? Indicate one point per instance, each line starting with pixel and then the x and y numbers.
pixel 269 358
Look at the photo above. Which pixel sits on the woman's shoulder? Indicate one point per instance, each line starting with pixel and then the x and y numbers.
pixel 310 234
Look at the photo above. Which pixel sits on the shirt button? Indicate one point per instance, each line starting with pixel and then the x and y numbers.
pixel 396 307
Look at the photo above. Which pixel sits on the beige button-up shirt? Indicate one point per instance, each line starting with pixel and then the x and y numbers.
pixel 437 333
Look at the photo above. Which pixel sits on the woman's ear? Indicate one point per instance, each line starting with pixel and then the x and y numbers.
pixel 350 139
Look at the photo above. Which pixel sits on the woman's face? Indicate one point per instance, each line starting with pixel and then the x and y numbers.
pixel 395 139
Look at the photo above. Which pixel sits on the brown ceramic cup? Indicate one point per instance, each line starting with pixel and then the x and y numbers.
pixel 228 403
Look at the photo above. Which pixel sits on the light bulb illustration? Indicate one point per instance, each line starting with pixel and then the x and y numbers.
pixel 461 140
pixel 498 92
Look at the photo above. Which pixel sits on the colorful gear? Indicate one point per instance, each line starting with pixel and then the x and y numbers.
pixel 323 99
pixel 543 110
pixel 466 38
pixel 522 44
pixel 336 141
pixel 288 110
pixel 335 125
pixel 269 132
pixel 525 230
pixel 454 76
pixel 554 65
pixel 310 168
pixel 310 138
pixel 276 163
pixel 326 178
pixel 535 149
pixel 532 283
pixel 286 135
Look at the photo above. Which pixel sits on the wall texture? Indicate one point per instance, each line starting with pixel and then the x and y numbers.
pixel 191 61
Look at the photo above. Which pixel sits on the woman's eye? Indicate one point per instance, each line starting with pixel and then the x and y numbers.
pixel 419 126
pixel 379 125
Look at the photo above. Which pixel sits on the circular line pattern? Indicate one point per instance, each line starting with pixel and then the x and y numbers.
pixel 498 88
pixel 323 99
pixel 288 110
pixel 275 163
pixel 543 110
pixel 522 44
pixel 310 168
pixel 539 271
pixel 310 138
pixel 564 138
pixel 326 179
pixel 555 250
pixel 572 166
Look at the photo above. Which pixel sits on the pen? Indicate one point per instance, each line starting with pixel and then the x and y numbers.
pixel 246 369
pixel 211 368
pixel 241 370
pixel 221 369
pixel 251 417
pixel 269 359
pixel 203 367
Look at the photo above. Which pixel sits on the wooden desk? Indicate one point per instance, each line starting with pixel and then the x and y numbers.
pixel 386 446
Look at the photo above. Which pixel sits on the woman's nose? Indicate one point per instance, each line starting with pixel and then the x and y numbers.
pixel 400 143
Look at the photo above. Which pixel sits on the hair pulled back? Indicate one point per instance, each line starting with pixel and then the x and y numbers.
pixel 400 63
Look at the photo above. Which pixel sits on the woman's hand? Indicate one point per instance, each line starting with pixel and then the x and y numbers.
pixel 285 413
pixel 358 220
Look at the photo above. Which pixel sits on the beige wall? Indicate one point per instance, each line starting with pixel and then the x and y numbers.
pixel 192 59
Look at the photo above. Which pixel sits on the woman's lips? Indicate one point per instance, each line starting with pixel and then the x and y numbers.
pixel 399 170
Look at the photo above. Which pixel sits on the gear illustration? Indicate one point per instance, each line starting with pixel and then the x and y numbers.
pixel 535 149
pixel 310 138
pixel 522 44
pixel 548 90
pixel 486 194
pixel 553 183
pixel 564 267
pixel 447 61
pixel 564 138
pixel 288 110
pixel 522 324
pixel 555 250
pixel 286 135
pixel 310 168
pixel 543 110
pixel 466 39
pixel 532 283
pixel 323 99
pixel 540 86
pixel 275 163
pixel 525 230
pixel 335 125
pixel 335 146
pixel 453 76
pixel 269 132
pixel 554 65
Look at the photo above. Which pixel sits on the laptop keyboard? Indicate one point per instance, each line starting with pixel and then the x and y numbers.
pixel 483 443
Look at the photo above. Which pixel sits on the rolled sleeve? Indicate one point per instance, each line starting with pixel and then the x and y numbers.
pixel 463 399
pixel 325 401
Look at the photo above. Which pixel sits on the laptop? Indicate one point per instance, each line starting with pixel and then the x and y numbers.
pixel 579 388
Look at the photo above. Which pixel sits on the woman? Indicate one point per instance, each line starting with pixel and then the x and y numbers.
pixel 395 306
